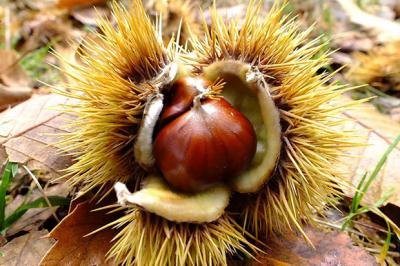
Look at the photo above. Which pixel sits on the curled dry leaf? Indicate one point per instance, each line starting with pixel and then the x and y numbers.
pixel 25 250
pixel 331 248
pixel 386 30
pixel 10 95
pixel 89 15
pixel 14 81
pixel 69 4
pixel 378 131
pixel 27 134
pixel 73 247
pixel 11 73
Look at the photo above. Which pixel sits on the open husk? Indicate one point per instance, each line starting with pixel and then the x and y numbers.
pixel 295 114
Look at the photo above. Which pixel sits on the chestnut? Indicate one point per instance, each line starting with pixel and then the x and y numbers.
pixel 181 97
pixel 208 143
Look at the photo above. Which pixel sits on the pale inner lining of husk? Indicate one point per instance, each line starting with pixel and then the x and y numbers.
pixel 143 147
pixel 248 92
pixel 157 197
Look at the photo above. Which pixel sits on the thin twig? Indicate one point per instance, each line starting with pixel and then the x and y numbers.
pixel 371 227
pixel 42 191
pixel 337 226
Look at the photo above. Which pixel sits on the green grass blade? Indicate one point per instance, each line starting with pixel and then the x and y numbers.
pixel 39 203
pixel 9 172
pixel 379 166
pixel 386 245
pixel 356 199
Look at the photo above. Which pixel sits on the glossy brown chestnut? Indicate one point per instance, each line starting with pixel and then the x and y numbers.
pixel 181 97
pixel 209 143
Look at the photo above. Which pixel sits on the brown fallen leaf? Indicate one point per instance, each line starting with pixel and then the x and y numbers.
pixel 395 114
pixel 41 29
pixel 73 247
pixel 26 250
pixel 331 248
pixel 14 81
pixel 379 132
pixel 90 15
pixel 11 73
pixel 10 96
pixel 74 3
pixel 39 5
pixel 386 30
pixel 27 134
pixel 351 41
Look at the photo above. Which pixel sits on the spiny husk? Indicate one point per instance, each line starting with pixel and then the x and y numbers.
pixel 112 89
pixel 112 85
pixel 379 68
pixel 147 239
pixel 306 177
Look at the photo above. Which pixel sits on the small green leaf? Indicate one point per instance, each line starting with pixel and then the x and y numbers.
pixel 9 172
pixel 39 203
pixel 14 169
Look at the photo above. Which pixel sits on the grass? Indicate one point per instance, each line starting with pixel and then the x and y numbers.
pixel 364 3
pixel 9 173
pixel 34 62
pixel 356 209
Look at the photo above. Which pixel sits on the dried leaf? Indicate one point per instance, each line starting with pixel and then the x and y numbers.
pixel 73 246
pixel 379 131
pixel 14 81
pixel 11 73
pixel 25 250
pixel 27 134
pixel 74 3
pixel 351 40
pixel 395 114
pixel 42 29
pixel 39 5
pixel 385 29
pixel 90 15
pixel 11 95
pixel 331 248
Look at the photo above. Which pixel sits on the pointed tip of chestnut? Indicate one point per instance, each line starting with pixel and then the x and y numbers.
pixel 205 145
pixel 181 97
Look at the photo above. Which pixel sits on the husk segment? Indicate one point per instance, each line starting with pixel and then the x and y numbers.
pixel 157 197
pixel 248 92
pixel 119 73
pixel 379 68
pixel 306 177
pixel 146 239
